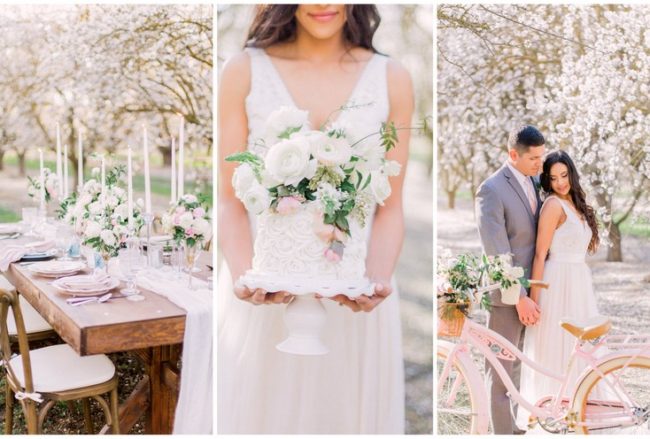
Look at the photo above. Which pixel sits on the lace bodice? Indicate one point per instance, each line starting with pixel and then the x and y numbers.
pixel 571 240
pixel 268 93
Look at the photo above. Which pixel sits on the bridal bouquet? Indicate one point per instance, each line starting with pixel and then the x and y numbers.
pixel 188 221
pixel 51 185
pixel 342 178
pixel 102 217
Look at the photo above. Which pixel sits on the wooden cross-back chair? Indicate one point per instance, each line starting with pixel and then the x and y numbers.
pixel 51 374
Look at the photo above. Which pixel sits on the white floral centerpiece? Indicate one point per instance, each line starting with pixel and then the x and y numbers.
pixel 188 221
pixel 102 218
pixel 319 168
pixel 51 186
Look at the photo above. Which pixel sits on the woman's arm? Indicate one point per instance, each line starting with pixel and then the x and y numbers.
pixel 551 217
pixel 232 220
pixel 388 227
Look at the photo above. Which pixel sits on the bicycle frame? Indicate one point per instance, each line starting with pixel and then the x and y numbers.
pixel 494 347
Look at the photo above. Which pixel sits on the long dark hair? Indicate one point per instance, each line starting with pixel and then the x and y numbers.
pixel 277 23
pixel 576 192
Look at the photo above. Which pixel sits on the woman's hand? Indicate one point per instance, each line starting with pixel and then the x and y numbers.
pixel 262 297
pixel 365 303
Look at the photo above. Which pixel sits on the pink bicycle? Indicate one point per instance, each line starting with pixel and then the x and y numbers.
pixel 618 366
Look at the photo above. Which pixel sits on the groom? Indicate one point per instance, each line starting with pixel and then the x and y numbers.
pixel 507 210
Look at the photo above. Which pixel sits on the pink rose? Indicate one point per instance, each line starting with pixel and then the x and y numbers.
pixel 190 232
pixel 180 209
pixel 331 255
pixel 177 219
pixel 199 212
pixel 288 205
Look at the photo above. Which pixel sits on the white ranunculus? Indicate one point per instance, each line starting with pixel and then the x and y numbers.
pixel 242 179
pixel 330 151
pixel 288 161
pixel 283 119
pixel 391 168
pixel 93 229
pixel 515 272
pixel 185 220
pixel 95 208
pixel 380 187
pixel 257 199
pixel 268 180
pixel 108 237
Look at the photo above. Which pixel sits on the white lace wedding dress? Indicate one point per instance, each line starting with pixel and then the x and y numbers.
pixel 358 387
pixel 570 294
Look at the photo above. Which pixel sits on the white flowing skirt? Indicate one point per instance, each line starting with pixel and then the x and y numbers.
pixel 358 387
pixel 570 295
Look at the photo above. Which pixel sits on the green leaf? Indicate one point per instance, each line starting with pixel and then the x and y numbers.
pixel 342 223
pixel 365 185
pixel 288 132
pixel 245 157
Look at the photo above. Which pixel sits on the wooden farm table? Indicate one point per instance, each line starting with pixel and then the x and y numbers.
pixel 152 329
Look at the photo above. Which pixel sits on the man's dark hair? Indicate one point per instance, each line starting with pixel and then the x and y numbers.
pixel 523 137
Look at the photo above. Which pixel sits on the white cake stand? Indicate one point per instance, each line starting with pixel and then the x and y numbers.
pixel 305 315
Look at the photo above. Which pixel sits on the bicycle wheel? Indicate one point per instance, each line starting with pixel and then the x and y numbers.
pixel 457 405
pixel 620 408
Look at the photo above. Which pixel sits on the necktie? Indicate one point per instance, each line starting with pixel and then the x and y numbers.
pixel 530 192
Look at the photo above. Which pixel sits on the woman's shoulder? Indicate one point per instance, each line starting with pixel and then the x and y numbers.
pixel 552 206
pixel 236 73
pixel 400 85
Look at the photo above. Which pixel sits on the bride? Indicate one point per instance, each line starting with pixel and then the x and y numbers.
pixel 567 231
pixel 316 58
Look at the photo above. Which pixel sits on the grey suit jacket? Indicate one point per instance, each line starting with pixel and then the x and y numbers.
pixel 506 223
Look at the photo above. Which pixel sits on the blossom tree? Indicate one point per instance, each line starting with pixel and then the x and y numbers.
pixel 579 73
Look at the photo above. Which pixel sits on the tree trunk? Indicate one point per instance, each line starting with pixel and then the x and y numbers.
pixel 21 163
pixel 2 160
pixel 615 252
pixel 451 199
pixel 167 155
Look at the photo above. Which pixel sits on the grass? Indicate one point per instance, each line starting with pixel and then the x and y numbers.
pixel 8 215
pixel 639 227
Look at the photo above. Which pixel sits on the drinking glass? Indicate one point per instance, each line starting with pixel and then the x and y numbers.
pixel 29 215
pixel 131 263
pixel 64 235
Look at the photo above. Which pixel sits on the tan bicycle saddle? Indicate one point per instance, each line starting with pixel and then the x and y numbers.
pixel 587 329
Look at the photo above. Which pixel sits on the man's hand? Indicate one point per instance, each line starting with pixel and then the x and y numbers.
pixel 260 296
pixel 528 311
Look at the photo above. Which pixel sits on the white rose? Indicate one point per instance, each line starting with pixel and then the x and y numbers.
pixel 189 198
pixel 257 199
pixel 122 210
pixel 119 192
pixel 202 227
pixel 391 168
pixel 268 180
pixel 330 151
pixel 108 237
pixel 515 272
pixel 283 119
pixel 380 187
pixel 288 161
pixel 111 201
pixel 93 229
pixel 95 208
pixel 185 220
pixel 242 179
pixel 84 200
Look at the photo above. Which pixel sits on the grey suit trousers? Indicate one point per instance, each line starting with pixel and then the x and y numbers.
pixel 505 321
